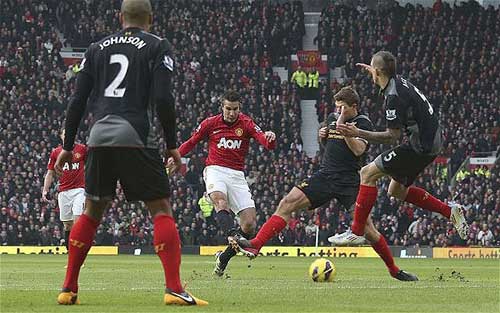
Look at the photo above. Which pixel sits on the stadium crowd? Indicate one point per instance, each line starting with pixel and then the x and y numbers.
pixel 220 45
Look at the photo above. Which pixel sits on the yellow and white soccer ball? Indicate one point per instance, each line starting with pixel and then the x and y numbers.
pixel 322 270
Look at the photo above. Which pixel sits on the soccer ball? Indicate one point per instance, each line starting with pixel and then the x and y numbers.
pixel 322 270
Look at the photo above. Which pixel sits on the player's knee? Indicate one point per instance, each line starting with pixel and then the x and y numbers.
pixel 287 205
pixel 396 192
pixel 221 204
pixel 248 227
pixel 368 174
pixel 364 173
pixel 95 209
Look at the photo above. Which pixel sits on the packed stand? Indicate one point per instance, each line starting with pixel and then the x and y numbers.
pixel 32 113
pixel 459 80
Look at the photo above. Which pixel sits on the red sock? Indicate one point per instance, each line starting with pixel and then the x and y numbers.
pixel 168 247
pixel 425 200
pixel 271 228
pixel 366 199
pixel 80 241
pixel 383 250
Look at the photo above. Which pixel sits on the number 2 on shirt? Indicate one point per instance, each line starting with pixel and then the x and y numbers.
pixel 112 90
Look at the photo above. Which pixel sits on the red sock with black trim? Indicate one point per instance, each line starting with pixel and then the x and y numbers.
pixel 384 252
pixel 271 228
pixel 168 248
pixel 367 196
pixel 80 240
pixel 425 200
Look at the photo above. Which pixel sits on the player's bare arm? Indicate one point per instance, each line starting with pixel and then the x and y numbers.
pixel 356 145
pixel 366 67
pixel 389 136
pixel 47 182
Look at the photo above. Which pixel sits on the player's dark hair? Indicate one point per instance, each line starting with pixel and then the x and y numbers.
pixel 348 95
pixel 385 62
pixel 136 11
pixel 231 96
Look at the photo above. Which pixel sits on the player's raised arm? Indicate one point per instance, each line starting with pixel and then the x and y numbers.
pixel 389 136
pixel 266 139
pixel 200 133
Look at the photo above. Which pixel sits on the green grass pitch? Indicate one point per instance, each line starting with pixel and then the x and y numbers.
pixel 30 283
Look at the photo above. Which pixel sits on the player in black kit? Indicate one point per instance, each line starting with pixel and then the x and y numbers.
pixel 337 178
pixel 129 76
pixel 406 108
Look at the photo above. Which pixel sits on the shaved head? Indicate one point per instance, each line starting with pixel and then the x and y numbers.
pixel 385 62
pixel 136 12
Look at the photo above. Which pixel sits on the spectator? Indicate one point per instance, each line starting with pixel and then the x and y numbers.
pixel 299 77
pixel 485 236
pixel 313 79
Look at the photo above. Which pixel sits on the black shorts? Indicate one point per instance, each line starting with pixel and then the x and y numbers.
pixel 140 171
pixel 322 188
pixel 403 164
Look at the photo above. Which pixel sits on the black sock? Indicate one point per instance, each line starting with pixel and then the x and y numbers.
pixel 227 254
pixel 66 239
pixel 224 220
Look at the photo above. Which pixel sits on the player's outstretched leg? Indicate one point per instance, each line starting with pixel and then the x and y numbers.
pixel 81 238
pixel 222 258
pixel 225 221
pixel 425 200
pixel 293 201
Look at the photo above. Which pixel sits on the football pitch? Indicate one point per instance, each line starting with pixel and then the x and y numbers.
pixel 30 283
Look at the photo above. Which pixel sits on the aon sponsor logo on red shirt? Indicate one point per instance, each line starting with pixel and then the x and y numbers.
pixel 74 166
pixel 229 143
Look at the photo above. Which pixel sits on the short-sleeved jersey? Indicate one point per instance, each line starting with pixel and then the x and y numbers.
pixel 227 143
pixel 73 173
pixel 338 157
pixel 122 67
pixel 407 107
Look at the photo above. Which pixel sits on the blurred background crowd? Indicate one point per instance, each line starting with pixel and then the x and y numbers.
pixel 219 45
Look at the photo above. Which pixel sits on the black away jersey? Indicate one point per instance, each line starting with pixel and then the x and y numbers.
pixel 122 66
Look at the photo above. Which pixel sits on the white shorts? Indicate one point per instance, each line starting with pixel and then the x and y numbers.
pixel 230 182
pixel 71 203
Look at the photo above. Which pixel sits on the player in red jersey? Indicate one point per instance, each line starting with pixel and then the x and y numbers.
pixel 228 137
pixel 71 197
